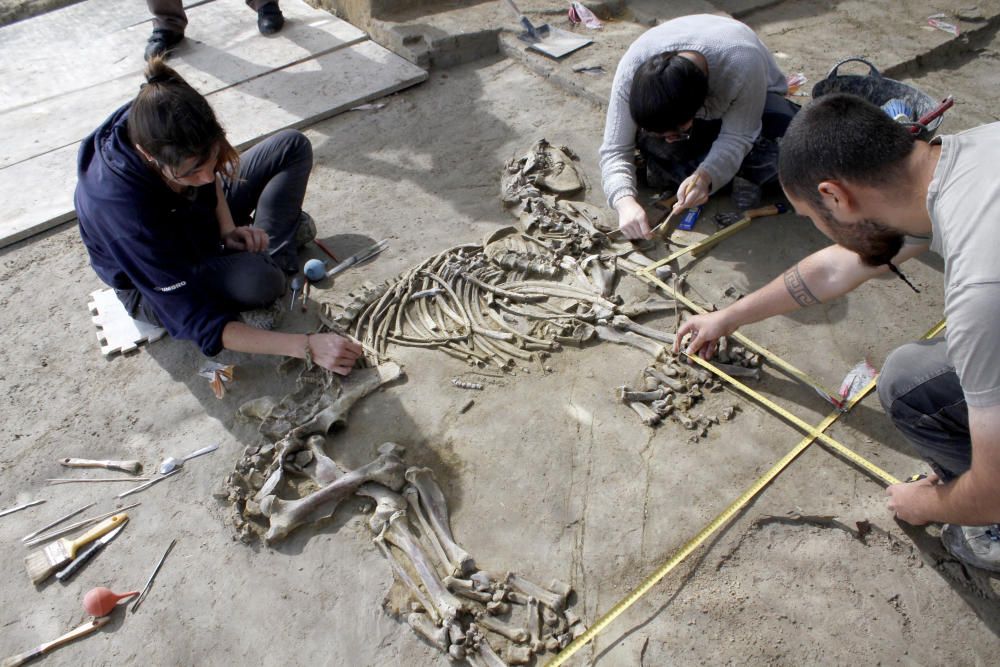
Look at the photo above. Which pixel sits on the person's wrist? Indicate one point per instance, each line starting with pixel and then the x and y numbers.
pixel 625 202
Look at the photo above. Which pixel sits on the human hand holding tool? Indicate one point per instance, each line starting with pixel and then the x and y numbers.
pixel 42 563
pixel 694 190
pixel 82 631
pixel 632 221
pixel 87 554
pixel 706 330
pixel 131 467
pixel 907 500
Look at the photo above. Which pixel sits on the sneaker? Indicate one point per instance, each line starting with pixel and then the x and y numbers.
pixel 976 545
pixel 306 230
pixel 746 194
pixel 161 42
pixel 267 318
pixel 270 19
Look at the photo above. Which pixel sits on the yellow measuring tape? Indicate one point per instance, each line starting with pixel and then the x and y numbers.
pixel 722 518
pixel 702 245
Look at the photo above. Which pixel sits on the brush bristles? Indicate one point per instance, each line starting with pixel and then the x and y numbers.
pixel 44 561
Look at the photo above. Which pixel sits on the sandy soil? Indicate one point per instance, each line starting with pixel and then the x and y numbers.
pixel 546 475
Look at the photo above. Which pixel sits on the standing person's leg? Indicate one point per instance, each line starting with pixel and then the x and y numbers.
pixel 269 16
pixel 921 393
pixel 169 23
pixel 272 185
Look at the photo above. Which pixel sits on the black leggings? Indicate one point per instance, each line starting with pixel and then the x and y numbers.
pixel 667 164
pixel 269 194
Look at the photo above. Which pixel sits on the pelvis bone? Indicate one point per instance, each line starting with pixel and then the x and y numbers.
pixel 284 516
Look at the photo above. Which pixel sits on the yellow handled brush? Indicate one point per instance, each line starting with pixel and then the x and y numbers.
pixel 44 562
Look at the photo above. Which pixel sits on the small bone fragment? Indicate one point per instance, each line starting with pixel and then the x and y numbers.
pixel 482 597
pixel 686 421
pixel 466 406
pixel 286 515
pixel 571 618
pixel 552 644
pixel 533 620
pixel 577 629
pixel 546 597
pixel 481 580
pixel 623 323
pixel 462 384
pixel 488 655
pixel 519 655
pixel 502 628
pixel 626 396
pixel 433 501
pixel 455 633
pixel 663 407
pixel 497 608
pixel 722 351
pixel 669 382
pixel 550 617
pixel 517 597
pixel 603 277
pixel 650 383
pixel 727 413
pixel 648 346
pixel 737 371
pixel 564 639
pixel 648 415
pixel 426 628
pixel 456 652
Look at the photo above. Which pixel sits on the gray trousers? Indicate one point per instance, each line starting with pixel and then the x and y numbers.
pixel 269 194
pixel 920 391
pixel 169 14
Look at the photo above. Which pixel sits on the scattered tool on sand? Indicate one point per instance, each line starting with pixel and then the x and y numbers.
pixel 149 582
pixel 170 463
pixel 131 467
pixel 547 40
pixel 42 563
pixel 82 631
pixel 35 541
pixel 87 554
pixel 18 508
pixel 30 536
pixel 146 485
pixel 102 601
pixel 93 480
pixel 358 257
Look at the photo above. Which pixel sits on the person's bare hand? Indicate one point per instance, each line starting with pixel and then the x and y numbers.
pixel 334 352
pixel 632 219
pixel 705 330
pixel 249 239
pixel 694 190
pixel 908 501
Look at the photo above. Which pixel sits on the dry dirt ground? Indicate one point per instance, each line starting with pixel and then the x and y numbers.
pixel 546 474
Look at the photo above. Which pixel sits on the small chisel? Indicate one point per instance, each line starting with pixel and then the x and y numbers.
pixel 87 554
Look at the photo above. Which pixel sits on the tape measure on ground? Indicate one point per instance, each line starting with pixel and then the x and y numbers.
pixel 813 433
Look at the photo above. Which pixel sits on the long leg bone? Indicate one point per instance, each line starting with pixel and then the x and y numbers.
pixel 648 415
pixel 546 597
pixel 413 499
pixel 625 324
pixel 533 621
pixel 398 534
pixel 434 502
pixel 648 346
pixel 286 515
pixel 647 307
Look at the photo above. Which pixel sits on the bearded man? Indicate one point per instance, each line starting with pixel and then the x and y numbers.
pixel 884 197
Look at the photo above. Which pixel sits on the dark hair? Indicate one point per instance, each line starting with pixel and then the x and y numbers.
pixel 173 122
pixel 841 137
pixel 667 91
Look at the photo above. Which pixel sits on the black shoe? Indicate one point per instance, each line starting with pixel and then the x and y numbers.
pixel 161 41
pixel 270 19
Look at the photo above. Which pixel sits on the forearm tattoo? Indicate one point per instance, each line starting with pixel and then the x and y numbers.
pixel 797 287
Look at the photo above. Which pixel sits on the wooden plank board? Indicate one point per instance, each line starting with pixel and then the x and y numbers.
pixel 49 104
pixel 38 193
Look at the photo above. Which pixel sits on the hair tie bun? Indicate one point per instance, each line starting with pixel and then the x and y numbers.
pixel 161 77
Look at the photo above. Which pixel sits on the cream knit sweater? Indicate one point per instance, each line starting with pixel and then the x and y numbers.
pixel 741 71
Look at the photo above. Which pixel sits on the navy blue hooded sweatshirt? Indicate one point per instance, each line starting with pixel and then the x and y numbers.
pixel 141 234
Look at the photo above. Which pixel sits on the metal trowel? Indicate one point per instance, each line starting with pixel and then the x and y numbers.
pixel 552 42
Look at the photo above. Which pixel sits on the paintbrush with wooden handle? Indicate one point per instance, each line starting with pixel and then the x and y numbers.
pixel 42 563
pixel 42 649
pixel 132 467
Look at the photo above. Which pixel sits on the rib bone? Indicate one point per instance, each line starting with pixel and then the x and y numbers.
pixel 286 515
pixel 434 502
